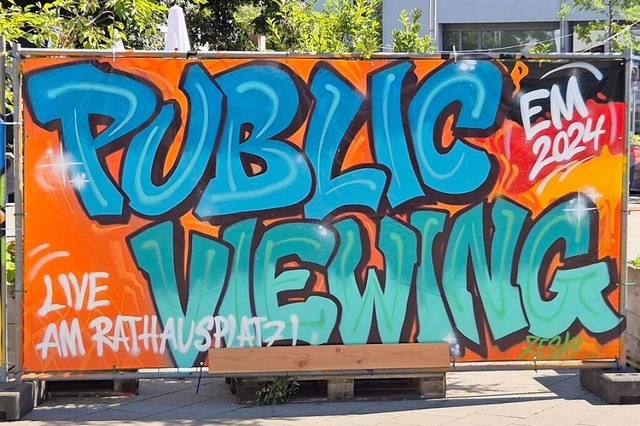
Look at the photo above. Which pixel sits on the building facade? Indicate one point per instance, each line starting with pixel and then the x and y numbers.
pixel 492 25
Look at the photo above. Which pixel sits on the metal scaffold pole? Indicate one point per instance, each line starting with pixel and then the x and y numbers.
pixel 3 249
pixel 16 82
pixel 628 96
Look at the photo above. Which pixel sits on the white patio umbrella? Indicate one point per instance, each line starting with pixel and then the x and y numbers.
pixel 176 37
pixel 117 44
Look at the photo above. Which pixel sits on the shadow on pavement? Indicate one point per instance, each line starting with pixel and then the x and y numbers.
pixel 566 385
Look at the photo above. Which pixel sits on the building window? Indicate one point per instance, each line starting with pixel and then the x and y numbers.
pixel 470 40
pixel 499 40
pixel 451 39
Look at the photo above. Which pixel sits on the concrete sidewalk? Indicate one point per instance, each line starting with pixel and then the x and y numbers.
pixel 546 397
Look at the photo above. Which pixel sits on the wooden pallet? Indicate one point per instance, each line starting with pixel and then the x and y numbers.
pixel 349 387
pixel 340 372
pixel 632 362
pixel 91 387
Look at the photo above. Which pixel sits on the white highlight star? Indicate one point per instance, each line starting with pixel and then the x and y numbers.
pixel 79 180
pixel 61 165
pixel 579 209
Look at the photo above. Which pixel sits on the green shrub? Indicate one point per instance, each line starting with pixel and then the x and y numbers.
pixel 10 263
pixel 408 39
pixel 277 391
pixel 634 263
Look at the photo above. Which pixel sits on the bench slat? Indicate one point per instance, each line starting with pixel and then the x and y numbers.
pixel 300 359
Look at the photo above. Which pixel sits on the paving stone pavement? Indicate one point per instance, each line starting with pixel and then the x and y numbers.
pixel 497 398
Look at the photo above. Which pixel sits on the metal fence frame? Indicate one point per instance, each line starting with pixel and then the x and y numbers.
pixel 19 53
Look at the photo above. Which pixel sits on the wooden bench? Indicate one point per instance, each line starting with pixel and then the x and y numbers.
pixel 424 364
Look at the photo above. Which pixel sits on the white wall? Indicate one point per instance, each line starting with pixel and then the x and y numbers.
pixel 474 12
pixel 492 11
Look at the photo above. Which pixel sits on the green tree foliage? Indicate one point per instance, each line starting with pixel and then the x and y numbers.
pixel 246 18
pixel 69 24
pixel 619 16
pixel 408 38
pixel 541 47
pixel 76 24
pixel 225 25
pixel 340 26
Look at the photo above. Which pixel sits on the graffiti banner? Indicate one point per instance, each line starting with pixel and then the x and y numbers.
pixel 176 205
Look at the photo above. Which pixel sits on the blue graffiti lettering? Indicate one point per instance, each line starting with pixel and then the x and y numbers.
pixel 336 107
pixel 477 87
pixel 139 171
pixel 73 95
pixel 252 137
